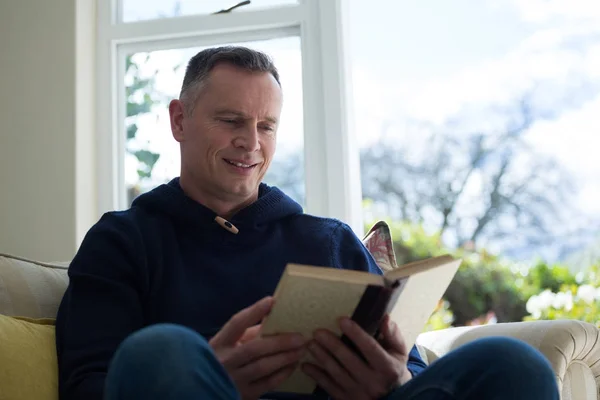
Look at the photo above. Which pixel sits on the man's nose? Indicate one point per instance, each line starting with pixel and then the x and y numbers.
pixel 248 139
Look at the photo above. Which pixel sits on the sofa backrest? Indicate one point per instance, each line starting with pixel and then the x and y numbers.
pixel 30 288
pixel 35 289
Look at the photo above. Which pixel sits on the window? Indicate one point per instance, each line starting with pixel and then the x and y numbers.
pixel 474 125
pixel 478 121
pixel 142 51
pixel 152 79
pixel 137 10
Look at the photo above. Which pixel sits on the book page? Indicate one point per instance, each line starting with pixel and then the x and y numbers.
pixel 304 304
pixel 419 298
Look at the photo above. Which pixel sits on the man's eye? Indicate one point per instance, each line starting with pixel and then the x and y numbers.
pixel 229 121
pixel 268 128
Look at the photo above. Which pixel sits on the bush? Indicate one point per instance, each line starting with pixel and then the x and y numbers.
pixel 543 276
pixel 578 300
pixel 482 284
pixel 489 288
pixel 441 318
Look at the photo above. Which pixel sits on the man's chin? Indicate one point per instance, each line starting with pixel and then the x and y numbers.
pixel 243 190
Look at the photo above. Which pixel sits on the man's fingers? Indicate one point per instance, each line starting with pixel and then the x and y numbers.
pixel 324 381
pixel 367 345
pixel 250 333
pixel 339 361
pixel 263 347
pixel 234 329
pixel 270 382
pixel 265 367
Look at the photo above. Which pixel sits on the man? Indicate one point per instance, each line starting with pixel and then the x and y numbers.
pixel 165 299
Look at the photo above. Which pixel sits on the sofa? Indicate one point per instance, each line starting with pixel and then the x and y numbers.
pixel 30 293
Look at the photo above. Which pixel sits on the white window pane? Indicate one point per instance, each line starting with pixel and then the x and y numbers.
pixel 480 119
pixel 137 10
pixel 154 78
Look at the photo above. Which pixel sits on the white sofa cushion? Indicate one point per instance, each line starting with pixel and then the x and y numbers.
pixel 30 288
pixel 570 346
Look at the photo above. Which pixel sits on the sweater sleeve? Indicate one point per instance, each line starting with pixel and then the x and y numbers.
pixel 101 306
pixel 348 252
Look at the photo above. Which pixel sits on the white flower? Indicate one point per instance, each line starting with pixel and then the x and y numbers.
pixel 587 293
pixel 560 300
pixel 533 306
pixel 546 299
pixel 569 302
pixel 448 318
pixel 563 300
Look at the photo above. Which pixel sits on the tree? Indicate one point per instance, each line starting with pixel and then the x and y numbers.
pixel 477 180
pixel 142 100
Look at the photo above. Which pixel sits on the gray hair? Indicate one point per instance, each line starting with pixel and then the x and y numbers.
pixel 201 64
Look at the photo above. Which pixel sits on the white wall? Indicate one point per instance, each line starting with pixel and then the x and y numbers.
pixel 46 126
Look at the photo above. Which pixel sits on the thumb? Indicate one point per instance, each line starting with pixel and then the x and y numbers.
pixel 250 334
pixel 392 339
pixel 235 328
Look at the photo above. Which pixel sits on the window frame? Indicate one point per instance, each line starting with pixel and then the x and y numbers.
pixel 331 156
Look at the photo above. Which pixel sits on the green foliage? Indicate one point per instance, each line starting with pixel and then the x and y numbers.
pixel 413 243
pixel 140 101
pixel 579 299
pixel 135 109
pixel 441 318
pixel 482 284
pixel 131 131
pixel 487 285
pixel 591 275
pixel 543 276
pixel 148 159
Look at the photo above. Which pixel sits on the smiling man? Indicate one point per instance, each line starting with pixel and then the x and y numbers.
pixel 165 298
pixel 227 129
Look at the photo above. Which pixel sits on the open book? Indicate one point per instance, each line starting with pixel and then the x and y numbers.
pixel 309 298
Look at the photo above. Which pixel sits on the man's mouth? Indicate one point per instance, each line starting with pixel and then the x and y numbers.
pixel 239 164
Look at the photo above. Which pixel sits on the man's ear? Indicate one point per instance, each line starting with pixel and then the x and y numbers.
pixel 177 115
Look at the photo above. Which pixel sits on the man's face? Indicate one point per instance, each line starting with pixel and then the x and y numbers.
pixel 228 141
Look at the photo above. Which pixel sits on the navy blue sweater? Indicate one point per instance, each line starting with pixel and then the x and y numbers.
pixel 166 260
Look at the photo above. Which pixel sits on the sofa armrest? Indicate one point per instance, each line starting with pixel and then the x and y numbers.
pixel 572 348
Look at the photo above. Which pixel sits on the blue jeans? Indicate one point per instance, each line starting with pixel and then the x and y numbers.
pixel 172 362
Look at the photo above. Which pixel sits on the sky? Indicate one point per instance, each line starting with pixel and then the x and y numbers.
pixel 428 60
pixel 434 57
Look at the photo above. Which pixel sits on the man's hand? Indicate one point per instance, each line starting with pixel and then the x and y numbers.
pixel 344 375
pixel 256 365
